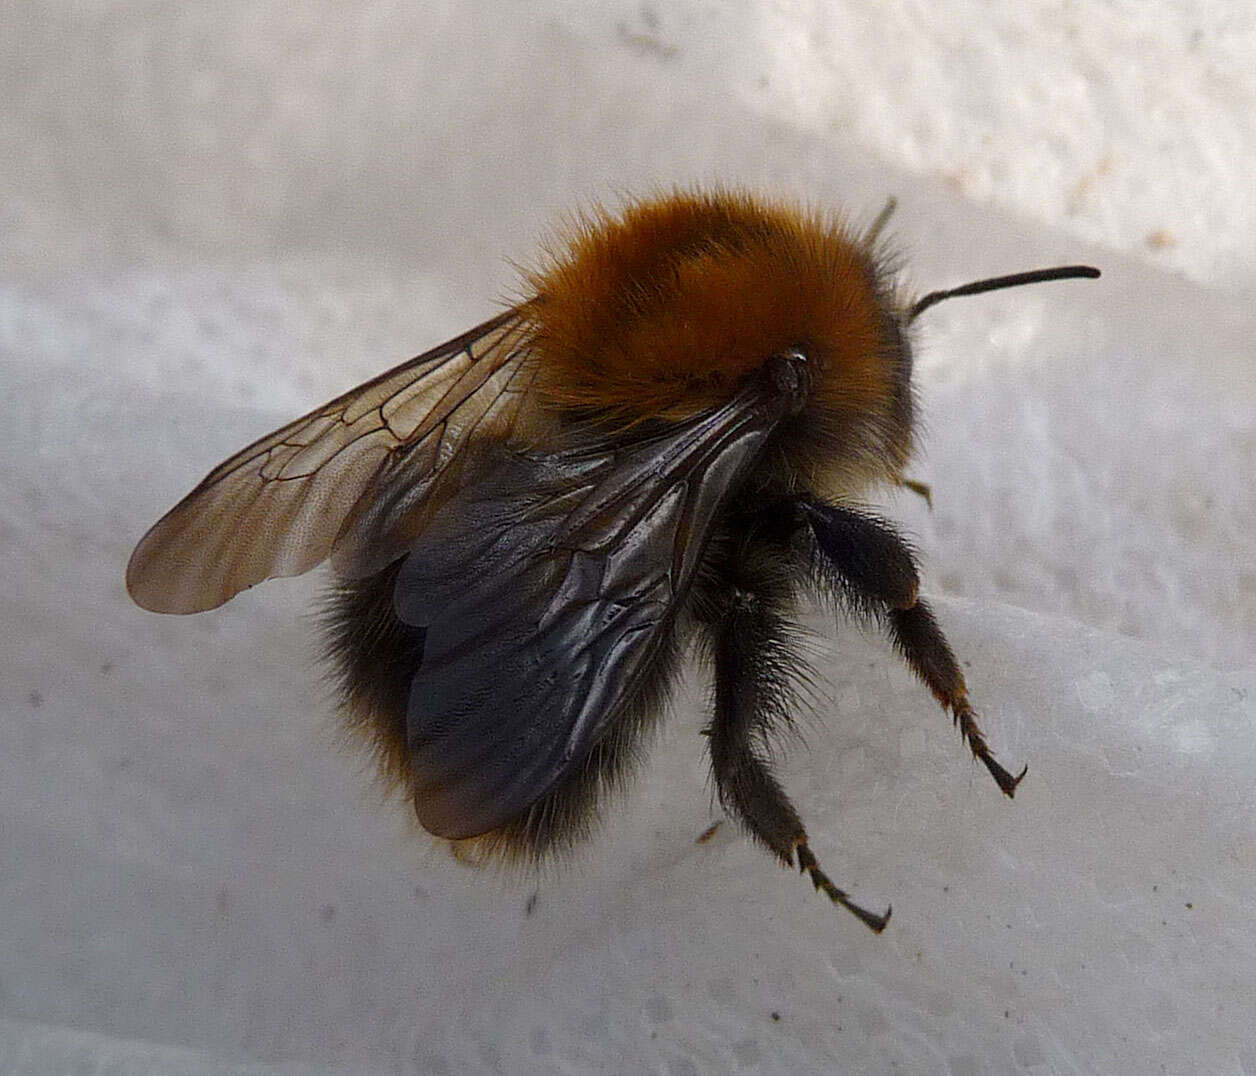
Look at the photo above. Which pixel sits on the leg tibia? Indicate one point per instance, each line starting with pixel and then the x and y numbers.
pixel 922 644
pixel 752 662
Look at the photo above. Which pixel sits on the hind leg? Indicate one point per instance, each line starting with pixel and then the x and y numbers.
pixel 867 559
pixel 921 642
pixel 753 662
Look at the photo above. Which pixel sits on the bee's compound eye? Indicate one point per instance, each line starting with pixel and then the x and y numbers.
pixel 788 374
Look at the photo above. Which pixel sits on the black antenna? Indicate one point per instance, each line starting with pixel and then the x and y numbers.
pixel 994 283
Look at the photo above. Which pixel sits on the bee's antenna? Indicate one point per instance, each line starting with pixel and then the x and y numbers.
pixel 994 283
pixel 882 219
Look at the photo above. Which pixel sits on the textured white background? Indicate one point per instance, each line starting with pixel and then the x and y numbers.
pixel 215 216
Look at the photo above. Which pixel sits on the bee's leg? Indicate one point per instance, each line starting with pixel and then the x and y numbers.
pixel 866 559
pixel 752 665
pixel 863 556
pixel 921 642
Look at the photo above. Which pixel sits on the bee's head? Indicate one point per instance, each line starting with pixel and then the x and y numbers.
pixel 667 309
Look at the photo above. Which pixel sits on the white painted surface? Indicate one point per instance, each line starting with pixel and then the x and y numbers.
pixel 216 216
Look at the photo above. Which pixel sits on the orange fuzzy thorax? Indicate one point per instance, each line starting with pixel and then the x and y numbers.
pixel 663 311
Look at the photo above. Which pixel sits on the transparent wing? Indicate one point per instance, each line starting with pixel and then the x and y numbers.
pixel 278 507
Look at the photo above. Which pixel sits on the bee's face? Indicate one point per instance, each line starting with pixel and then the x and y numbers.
pixel 857 427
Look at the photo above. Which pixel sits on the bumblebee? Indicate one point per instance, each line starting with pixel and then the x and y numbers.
pixel 659 449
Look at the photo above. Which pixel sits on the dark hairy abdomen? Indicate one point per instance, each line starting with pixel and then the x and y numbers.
pixel 376 658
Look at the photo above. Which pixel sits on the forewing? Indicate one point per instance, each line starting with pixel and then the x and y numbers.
pixel 277 507
pixel 545 587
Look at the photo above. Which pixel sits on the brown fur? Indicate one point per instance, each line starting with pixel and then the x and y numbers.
pixel 664 311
